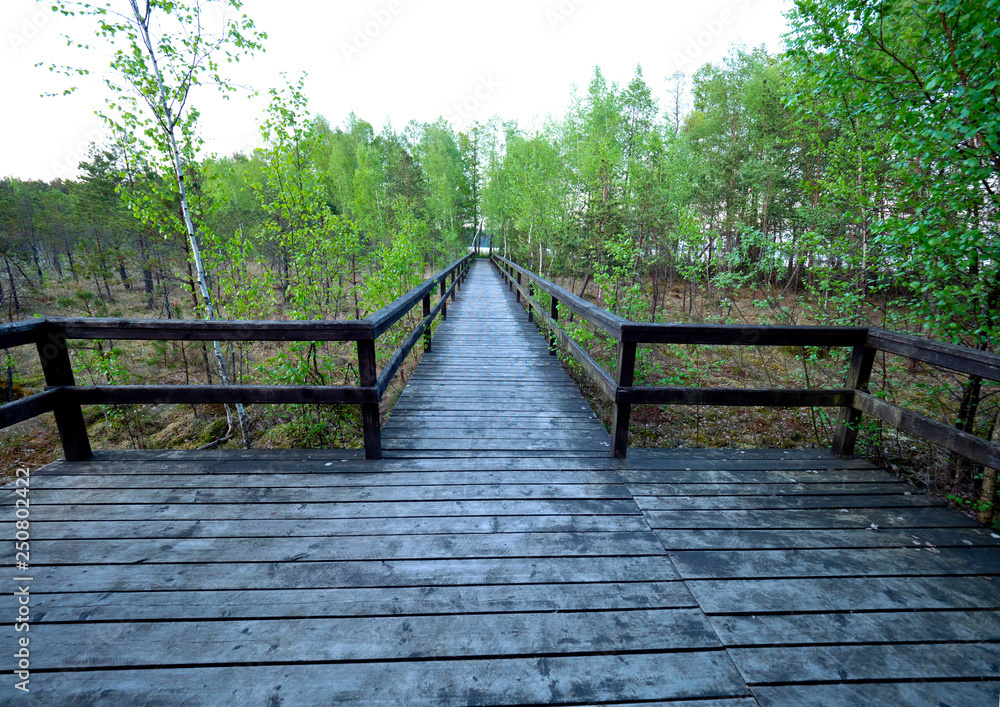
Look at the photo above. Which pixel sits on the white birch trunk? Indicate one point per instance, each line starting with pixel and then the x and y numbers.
pixel 169 123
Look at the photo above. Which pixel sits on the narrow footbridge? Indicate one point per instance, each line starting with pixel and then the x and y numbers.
pixel 498 545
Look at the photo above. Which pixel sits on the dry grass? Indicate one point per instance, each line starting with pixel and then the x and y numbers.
pixel 36 442
pixel 915 386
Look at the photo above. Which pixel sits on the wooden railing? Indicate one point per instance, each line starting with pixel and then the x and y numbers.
pixel 64 397
pixel 853 399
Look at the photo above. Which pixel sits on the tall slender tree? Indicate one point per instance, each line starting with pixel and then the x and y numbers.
pixel 161 51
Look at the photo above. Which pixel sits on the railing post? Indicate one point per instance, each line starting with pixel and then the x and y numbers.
pixel 844 439
pixel 510 278
pixel 370 424
pixel 456 286
pixel 621 412
pixel 58 370
pixel 554 313
pixel 444 306
pixel 531 294
pixel 517 291
pixel 427 331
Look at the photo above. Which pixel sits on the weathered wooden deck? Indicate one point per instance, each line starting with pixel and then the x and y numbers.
pixel 499 555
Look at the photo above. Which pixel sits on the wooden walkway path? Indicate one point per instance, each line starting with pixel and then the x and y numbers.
pixel 489 385
pixel 486 562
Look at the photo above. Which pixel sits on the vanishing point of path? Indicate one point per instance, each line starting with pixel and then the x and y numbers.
pixel 498 555
pixel 489 387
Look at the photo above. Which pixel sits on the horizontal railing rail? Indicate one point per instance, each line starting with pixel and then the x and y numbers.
pixel 65 398
pixel 853 399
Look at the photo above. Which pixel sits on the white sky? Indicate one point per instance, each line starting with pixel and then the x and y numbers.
pixel 386 60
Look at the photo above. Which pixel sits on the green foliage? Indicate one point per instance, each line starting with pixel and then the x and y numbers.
pixel 159 52
pixel 317 250
pixel 616 276
pixel 397 270
pixel 925 75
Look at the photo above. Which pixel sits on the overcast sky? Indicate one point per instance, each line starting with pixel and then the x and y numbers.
pixel 386 60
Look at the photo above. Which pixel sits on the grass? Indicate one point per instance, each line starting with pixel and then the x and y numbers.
pixel 36 442
pixel 915 386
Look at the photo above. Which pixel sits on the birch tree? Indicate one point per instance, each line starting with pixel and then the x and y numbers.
pixel 161 50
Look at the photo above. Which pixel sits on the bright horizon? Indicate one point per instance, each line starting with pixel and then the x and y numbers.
pixel 387 61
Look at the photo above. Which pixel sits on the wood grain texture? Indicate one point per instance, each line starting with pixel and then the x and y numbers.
pixel 320 565
pixel 498 554
pixel 825 571
pixel 491 368
pixel 968 445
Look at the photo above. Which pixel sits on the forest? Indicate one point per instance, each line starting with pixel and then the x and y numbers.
pixel 850 180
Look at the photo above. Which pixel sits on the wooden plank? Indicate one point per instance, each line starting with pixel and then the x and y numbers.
pixel 584 436
pixel 487 428
pixel 817 488
pixel 534 397
pixel 177 394
pixel 765 475
pixel 772 539
pixel 601 318
pixel 514 406
pixel 537 385
pixel 429 417
pixel 232 478
pixel 976 561
pixel 569 679
pixel 867 627
pixel 581 443
pixel 818 594
pixel 744 397
pixel 770 455
pixel 210 330
pixel 382 320
pixel 358 573
pixel 369 638
pixel 430 374
pixel 58 371
pixel 811 463
pixel 970 446
pixel 186 605
pixel 741 335
pixel 621 409
pixel 486 453
pixel 737 463
pixel 21 332
pixel 111 511
pixel 858 376
pixel 329 527
pixel 893 693
pixel 318 549
pixel 816 518
pixel 27 408
pixel 265 461
pixel 370 420
pixel 846 501
pixel 723 702
pixel 879 662
pixel 446 492
pixel 957 358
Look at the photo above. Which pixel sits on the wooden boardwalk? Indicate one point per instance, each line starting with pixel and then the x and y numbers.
pixel 489 386
pixel 498 555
